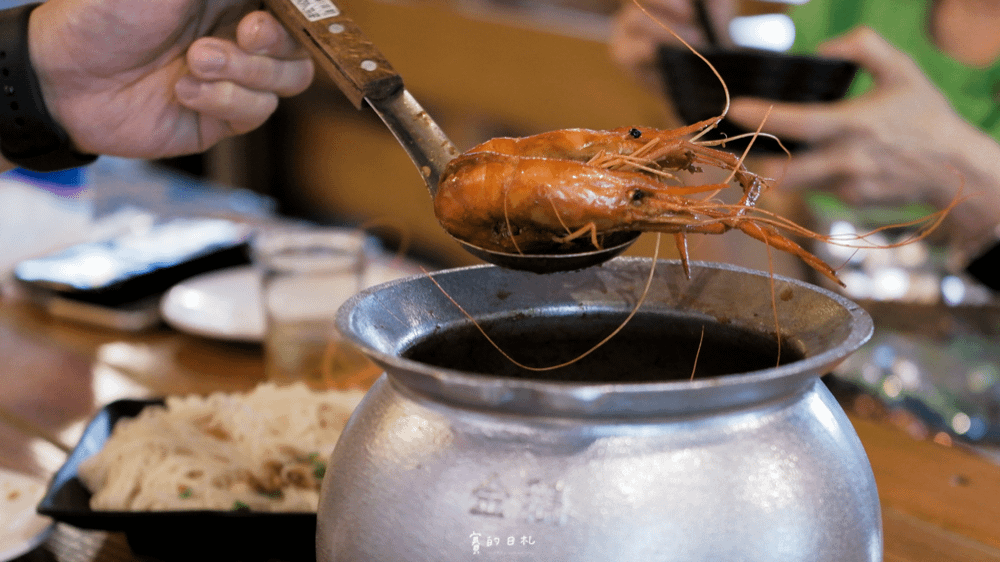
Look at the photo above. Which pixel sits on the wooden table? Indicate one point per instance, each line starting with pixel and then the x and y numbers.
pixel 940 502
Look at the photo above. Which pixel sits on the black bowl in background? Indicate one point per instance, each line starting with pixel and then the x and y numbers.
pixel 697 94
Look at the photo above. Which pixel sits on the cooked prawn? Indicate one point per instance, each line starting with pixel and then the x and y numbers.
pixel 535 194
pixel 558 189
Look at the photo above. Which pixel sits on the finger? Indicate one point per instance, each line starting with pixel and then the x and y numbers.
pixel 242 108
pixel 662 22
pixel 812 123
pixel 261 34
pixel 211 59
pixel 812 169
pixel 634 44
pixel 868 49
pixel 670 12
pixel 842 169
pixel 635 38
pixel 630 47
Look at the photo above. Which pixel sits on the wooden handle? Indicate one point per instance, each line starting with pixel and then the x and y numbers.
pixel 339 48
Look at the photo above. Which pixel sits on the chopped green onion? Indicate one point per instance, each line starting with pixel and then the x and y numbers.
pixel 240 506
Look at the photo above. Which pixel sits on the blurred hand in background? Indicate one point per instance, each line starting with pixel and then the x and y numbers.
pixel 637 32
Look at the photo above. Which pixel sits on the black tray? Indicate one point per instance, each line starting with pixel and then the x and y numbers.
pixel 175 535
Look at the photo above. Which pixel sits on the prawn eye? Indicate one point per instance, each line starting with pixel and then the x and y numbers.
pixel 636 133
pixel 638 195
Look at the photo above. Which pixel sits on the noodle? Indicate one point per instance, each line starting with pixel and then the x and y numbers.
pixel 263 451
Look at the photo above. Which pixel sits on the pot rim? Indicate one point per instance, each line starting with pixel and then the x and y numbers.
pixel 527 395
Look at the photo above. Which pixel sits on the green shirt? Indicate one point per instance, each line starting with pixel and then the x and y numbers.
pixel 972 91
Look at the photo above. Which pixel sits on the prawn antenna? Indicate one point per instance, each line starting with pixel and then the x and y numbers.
pixel 725 89
pixel 746 151
pixel 697 353
pixel 598 345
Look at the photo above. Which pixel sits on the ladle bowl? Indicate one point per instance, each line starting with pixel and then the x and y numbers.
pixel 684 438
pixel 555 262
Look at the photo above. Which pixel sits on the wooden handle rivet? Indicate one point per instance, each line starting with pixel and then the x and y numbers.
pixel 369 65
pixel 336 28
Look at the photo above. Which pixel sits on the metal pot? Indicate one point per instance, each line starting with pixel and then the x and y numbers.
pixel 623 456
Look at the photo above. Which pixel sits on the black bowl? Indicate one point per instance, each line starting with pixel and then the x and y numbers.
pixel 697 94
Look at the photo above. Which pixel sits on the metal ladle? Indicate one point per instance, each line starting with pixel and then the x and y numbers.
pixel 358 68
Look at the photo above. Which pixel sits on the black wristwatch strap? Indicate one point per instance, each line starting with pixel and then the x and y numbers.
pixel 29 137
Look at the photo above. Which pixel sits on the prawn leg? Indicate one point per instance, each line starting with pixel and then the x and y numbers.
pixel 770 236
pixel 681 241
pixel 589 228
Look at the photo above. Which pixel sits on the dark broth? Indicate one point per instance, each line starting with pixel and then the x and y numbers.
pixel 651 348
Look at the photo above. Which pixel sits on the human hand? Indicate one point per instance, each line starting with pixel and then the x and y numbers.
pixel 900 142
pixel 133 79
pixel 637 32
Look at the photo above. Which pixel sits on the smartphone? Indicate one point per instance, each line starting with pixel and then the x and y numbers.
pixel 118 282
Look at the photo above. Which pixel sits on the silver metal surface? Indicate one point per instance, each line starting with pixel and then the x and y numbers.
pixel 549 263
pixel 421 137
pixel 438 464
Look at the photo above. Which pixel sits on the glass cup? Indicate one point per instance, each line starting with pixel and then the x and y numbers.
pixel 306 275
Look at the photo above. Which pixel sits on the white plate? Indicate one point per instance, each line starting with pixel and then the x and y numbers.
pixel 21 528
pixel 225 304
